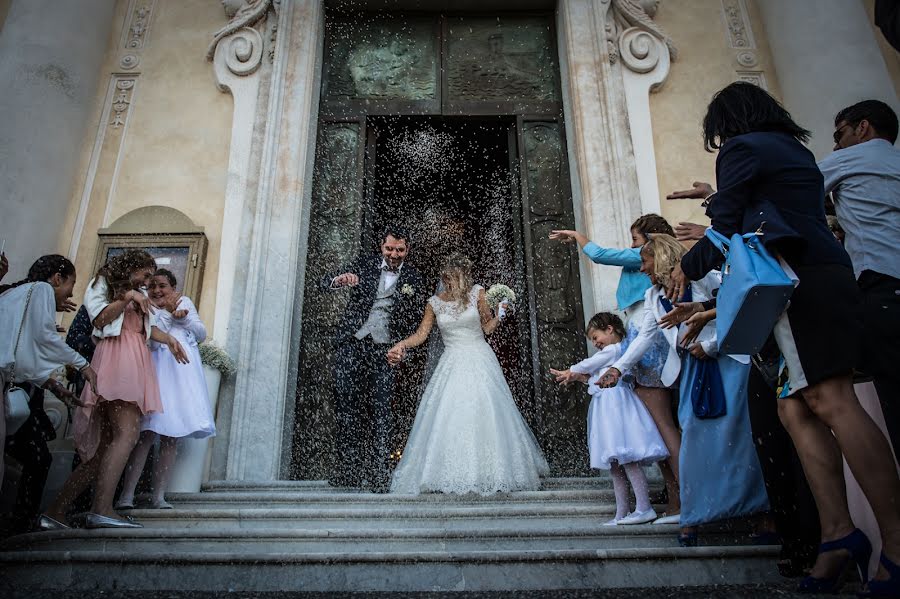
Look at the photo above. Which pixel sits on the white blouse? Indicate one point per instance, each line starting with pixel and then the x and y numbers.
pixel 95 301
pixel 41 349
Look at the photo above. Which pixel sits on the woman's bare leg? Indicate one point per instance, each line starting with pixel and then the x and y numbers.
pixel 658 403
pixel 135 466
pixel 162 471
pixel 825 424
pixel 80 479
pixel 124 420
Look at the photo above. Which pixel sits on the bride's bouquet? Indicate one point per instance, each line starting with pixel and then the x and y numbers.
pixel 499 294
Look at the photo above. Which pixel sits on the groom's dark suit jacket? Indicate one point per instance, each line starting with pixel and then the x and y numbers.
pixel 409 298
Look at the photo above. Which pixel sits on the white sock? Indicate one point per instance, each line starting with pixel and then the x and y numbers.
pixel 638 481
pixel 620 487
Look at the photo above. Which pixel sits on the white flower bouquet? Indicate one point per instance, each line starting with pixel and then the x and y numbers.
pixel 498 294
pixel 215 357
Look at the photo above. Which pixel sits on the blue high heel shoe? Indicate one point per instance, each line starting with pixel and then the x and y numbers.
pixel 857 543
pixel 885 588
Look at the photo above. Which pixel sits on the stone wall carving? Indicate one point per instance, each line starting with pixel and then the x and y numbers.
pixel 241 37
pixel 741 40
pixel 121 101
pixel 135 32
pixel 633 36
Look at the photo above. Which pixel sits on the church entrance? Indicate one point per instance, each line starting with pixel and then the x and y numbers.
pixel 450 126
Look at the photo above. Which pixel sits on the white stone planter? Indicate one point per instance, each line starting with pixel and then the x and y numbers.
pixel 192 462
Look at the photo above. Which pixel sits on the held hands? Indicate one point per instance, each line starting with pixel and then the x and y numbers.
pixel 396 354
pixel 700 190
pixel 348 279
pixel 609 379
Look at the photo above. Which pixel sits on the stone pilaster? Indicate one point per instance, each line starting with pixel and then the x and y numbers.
pixel 826 57
pixel 50 57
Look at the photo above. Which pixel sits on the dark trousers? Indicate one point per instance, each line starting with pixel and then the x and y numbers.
pixel 28 447
pixel 364 383
pixel 880 355
pixel 792 504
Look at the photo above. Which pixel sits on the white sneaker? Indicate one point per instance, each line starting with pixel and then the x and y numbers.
pixel 637 517
pixel 673 519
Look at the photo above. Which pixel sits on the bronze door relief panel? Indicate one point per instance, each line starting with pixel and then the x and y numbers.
pixel 451 67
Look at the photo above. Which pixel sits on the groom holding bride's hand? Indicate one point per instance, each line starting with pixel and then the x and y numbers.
pixel 385 305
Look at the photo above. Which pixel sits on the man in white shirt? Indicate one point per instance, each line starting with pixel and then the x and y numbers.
pixel 863 177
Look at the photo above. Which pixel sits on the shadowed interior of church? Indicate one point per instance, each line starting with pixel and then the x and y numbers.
pixel 449 182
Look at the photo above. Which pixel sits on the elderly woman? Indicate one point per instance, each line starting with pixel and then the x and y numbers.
pixel 768 180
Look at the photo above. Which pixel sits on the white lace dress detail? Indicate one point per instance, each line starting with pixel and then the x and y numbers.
pixel 468 435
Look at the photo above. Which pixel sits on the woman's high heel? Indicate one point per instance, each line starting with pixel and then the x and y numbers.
pixel 885 588
pixel 857 543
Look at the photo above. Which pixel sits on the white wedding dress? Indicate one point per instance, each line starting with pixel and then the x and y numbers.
pixel 468 435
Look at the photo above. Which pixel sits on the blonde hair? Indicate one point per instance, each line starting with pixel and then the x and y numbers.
pixel 457 276
pixel 666 252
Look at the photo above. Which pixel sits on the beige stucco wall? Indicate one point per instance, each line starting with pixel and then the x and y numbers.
pixel 175 146
pixel 706 63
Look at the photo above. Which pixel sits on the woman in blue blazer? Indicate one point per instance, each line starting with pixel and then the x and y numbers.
pixel 768 180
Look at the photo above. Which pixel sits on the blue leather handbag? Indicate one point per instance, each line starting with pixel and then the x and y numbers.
pixel 754 293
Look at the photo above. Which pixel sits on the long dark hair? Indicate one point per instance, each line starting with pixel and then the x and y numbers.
pixel 742 108
pixel 117 271
pixel 43 269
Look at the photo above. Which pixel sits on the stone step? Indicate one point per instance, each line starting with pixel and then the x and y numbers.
pixel 310 498
pixel 601 481
pixel 419 571
pixel 377 517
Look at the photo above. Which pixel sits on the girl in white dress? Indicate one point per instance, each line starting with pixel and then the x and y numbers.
pixel 182 388
pixel 468 435
pixel 622 436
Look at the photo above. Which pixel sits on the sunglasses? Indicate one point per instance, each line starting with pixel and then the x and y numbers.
pixel 839 132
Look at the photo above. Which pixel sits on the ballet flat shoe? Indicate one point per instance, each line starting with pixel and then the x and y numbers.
pixel 613 522
pixel 45 523
pixel 124 505
pixel 97 521
pixel 668 519
pixel 161 505
pixel 639 517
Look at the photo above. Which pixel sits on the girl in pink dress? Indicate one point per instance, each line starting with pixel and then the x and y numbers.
pixel 108 425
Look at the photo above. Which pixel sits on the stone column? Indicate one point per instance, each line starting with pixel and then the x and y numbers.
pixel 50 58
pixel 612 55
pixel 264 316
pixel 826 57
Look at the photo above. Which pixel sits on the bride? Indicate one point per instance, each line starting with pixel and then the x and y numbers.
pixel 468 435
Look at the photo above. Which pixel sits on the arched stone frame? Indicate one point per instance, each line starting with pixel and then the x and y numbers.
pixel 269 58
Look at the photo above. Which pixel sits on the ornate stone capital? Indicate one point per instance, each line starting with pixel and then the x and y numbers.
pixel 632 35
pixel 240 40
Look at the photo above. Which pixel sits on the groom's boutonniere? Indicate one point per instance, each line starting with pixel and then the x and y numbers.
pixel 407 289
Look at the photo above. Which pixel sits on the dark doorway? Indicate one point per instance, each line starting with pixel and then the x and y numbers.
pixel 450 182
pixel 452 125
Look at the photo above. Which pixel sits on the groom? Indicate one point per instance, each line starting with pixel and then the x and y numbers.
pixel 386 302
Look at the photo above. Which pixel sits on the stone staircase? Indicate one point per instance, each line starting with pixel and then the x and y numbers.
pixel 307 536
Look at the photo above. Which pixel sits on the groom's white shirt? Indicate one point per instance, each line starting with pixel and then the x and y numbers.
pixel 390 277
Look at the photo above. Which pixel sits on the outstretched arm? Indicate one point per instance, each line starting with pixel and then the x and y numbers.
pixel 398 352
